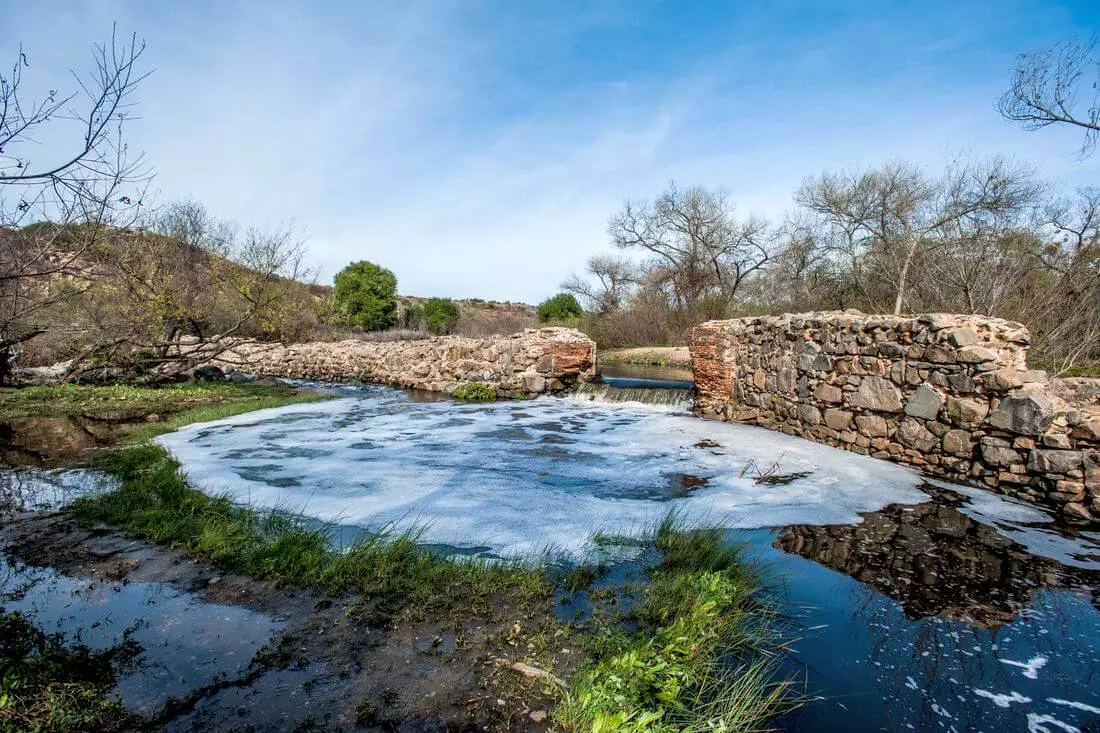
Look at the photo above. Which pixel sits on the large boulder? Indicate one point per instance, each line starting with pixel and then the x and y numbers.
pixel 1024 414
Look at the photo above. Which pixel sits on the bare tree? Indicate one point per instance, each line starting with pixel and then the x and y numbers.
pixel 696 240
pixel 610 286
pixel 80 191
pixel 883 221
pixel 1047 87
pixel 182 289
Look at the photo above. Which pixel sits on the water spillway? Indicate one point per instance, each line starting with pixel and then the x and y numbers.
pixel 669 393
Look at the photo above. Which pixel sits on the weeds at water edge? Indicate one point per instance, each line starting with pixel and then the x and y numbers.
pixel 699 660
pixel 155 502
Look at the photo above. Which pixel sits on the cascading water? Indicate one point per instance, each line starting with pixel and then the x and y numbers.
pixel 672 394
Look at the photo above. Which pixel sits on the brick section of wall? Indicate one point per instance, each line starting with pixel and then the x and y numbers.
pixel 949 394
pixel 528 363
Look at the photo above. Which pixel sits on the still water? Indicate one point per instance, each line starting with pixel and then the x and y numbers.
pixel 914 605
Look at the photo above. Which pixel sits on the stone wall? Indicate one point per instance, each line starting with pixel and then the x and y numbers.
pixel 527 363
pixel 948 394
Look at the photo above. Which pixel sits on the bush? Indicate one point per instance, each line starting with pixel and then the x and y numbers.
pixel 366 294
pixel 475 392
pixel 441 315
pixel 561 307
pixel 412 317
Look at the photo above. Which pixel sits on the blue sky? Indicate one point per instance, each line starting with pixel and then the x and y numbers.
pixel 477 149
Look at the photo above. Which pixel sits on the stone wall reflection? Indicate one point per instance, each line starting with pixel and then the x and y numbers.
pixel 935 561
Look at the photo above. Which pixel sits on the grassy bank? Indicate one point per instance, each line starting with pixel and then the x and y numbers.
pixel 673 357
pixel 700 659
pixel 156 503
pixel 174 405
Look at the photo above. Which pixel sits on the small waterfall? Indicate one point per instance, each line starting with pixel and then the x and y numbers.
pixel 669 394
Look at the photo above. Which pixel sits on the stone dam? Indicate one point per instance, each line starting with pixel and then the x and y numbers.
pixel 950 395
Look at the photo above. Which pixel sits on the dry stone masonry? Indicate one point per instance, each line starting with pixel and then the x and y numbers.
pixel 951 395
pixel 528 363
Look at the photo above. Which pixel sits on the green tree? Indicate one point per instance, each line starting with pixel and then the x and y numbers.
pixel 441 315
pixel 561 307
pixel 367 296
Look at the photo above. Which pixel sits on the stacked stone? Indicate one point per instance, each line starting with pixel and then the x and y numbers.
pixel 950 394
pixel 528 363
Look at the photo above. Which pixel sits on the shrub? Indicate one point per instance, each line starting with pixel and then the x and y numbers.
pixel 474 392
pixel 561 307
pixel 441 315
pixel 412 317
pixel 367 296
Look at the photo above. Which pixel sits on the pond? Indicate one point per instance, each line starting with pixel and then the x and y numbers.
pixel 918 604
pixel 914 604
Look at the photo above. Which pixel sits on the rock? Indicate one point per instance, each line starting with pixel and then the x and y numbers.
pixel 538 716
pixel 878 394
pixel 1002 380
pixel 838 419
pixel 957 442
pixel 966 412
pixel 1054 461
pixel 975 355
pixel 809 414
pixel 996 455
pixel 208 373
pixel 828 393
pixel 534 383
pixel 1077 513
pixel 1023 414
pixel 924 403
pixel 913 434
pixel 872 426
pixel 964 337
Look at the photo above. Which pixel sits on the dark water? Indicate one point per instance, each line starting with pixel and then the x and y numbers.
pixel 631 371
pixel 185 643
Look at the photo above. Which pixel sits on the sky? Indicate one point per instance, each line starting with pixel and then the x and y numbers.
pixel 477 149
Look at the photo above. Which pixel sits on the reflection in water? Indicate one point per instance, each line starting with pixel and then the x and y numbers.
pixel 51 442
pixel 936 561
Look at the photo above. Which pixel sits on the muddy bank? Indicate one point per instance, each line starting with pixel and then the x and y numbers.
pixel 230 652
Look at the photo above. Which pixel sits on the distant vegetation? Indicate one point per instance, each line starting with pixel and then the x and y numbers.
pixel 440 315
pixel 561 307
pixel 366 295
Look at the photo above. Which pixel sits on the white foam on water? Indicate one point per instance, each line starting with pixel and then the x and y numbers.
pixel 526 476
pixel 1000 700
pixel 1074 704
pixel 1016 520
pixel 1038 724
pixel 1031 667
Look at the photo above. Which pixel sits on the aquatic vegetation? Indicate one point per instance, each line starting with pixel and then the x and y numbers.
pixel 475 392
pixel 155 502
pixel 676 672
pixel 47 685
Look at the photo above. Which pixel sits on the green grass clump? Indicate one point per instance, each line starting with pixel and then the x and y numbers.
pixel 677 672
pixel 47 686
pixel 156 503
pixel 474 392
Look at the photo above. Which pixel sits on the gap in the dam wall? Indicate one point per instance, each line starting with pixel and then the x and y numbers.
pixel 949 394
